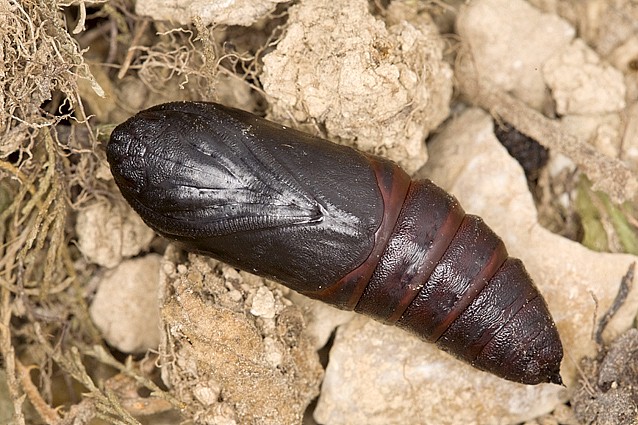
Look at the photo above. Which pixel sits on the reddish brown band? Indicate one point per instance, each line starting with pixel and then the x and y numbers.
pixel 427 223
pixel 393 183
pixel 490 268
pixel 439 245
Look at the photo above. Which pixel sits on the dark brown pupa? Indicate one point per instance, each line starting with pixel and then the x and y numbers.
pixel 338 225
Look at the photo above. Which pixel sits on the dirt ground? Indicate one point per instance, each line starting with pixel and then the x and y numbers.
pixel 102 321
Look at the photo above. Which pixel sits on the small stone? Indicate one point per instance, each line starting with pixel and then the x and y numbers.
pixel 207 394
pixel 109 233
pixel 581 84
pixel 126 305
pixel 263 303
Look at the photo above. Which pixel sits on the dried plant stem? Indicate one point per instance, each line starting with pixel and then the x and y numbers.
pixel 626 284
pixel 46 412
pixel 131 51
pixel 8 356
pixel 607 174
pixel 99 353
